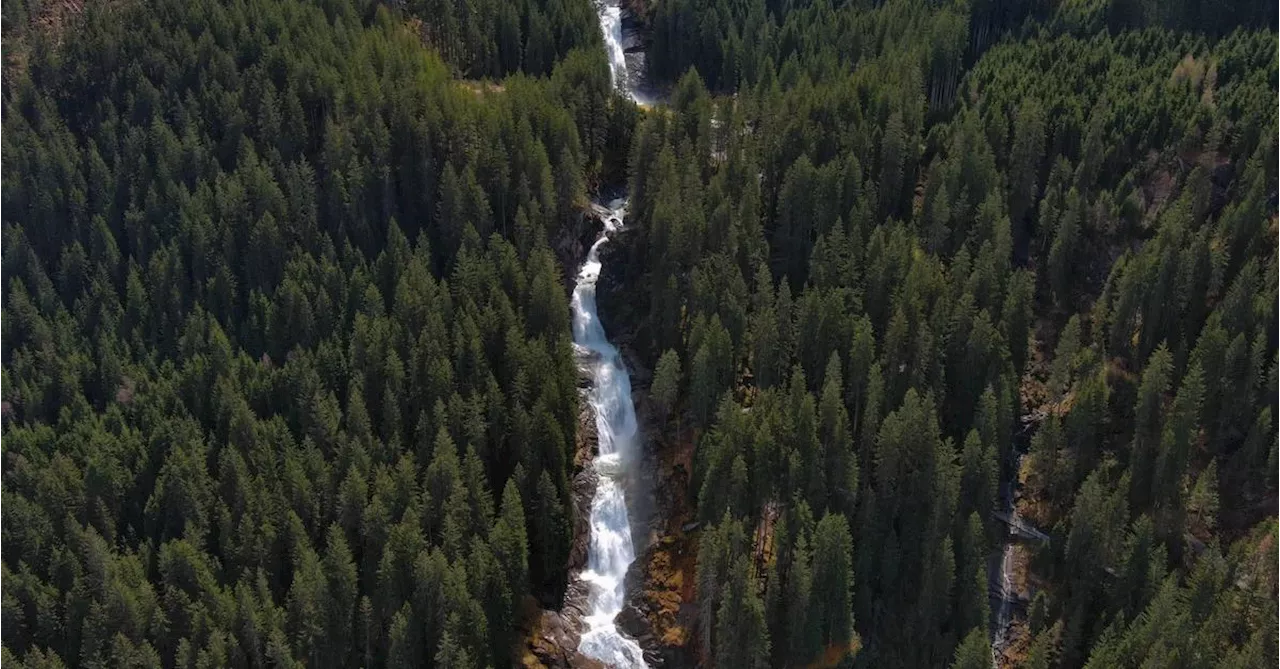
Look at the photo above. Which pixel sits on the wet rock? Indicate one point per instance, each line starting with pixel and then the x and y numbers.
pixel 572 242
pixel 554 644
pixel 587 440
pixel 660 611
pixel 583 488
pixel 556 640
pixel 635 37
pixel 635 16
pixel 615 292
pixel 657 615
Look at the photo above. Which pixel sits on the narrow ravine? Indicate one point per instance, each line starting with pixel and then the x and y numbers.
pixel 610 551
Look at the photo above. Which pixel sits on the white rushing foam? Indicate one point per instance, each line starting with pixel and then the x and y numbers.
pixel 1004 614
pixel 611 551
pixel 611 26
pixel 625 78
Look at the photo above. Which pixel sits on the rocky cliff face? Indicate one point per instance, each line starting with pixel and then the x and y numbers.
pixel 571 242
pixel 661 601
pixel 659 612
pixel 661 604
pixel 552 636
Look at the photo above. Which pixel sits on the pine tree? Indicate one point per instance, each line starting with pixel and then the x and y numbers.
pixel 841 464
pixel 666 382
pixel 509 539
pixel 550 546
pixel 830 610
pixel 703 389
pixel 1148 418
pixel 1094 540
pixel 1084 423
pixel 1202 505
pixel 1181 432
pixel 1050 469
pixel 1044 650
pixel 893 161
pixel 308 595
pixel 1016 317
pixel 742 638
pixel 399 643
pixel 717 547
pixel 974 652
pixel 1065 358
pixel 1025 157
pixel 340 572
pixel 1062 253
pixel 803 635
pixel 972 608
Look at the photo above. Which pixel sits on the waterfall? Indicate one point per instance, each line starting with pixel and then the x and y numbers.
pixel 611 26
pixel 626 71
pixel 610 551
pixel 1004 612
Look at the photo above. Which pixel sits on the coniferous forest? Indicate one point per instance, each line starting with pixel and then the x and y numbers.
pixel 288 377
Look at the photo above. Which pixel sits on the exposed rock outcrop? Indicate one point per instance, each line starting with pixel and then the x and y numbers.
pixel 584 488
pixel 661 604
pixel 552 636
pixel 660 609
pixel 572 242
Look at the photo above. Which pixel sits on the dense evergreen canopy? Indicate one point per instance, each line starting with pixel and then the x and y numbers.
pixel 288 377
pixel 934 230
pixel 287 368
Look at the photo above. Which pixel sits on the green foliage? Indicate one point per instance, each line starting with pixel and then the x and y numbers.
pixel 282 316
pixel 666 382
pixel 742 640
pixel 974 652
pixel 488 38
pixel 927 244
pixel 270 359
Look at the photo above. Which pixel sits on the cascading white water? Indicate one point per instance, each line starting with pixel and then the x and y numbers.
pixel 611 551
pixel 1004 614
pixel 625 78
pixel 611 26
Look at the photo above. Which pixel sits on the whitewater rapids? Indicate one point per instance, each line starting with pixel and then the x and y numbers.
pixel 611 550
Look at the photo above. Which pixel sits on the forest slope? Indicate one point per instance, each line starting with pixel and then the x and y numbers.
pixel 917 237
pixel 287 369
pixel 288 378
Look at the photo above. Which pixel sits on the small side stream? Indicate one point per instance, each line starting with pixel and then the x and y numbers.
pixel 1006 597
